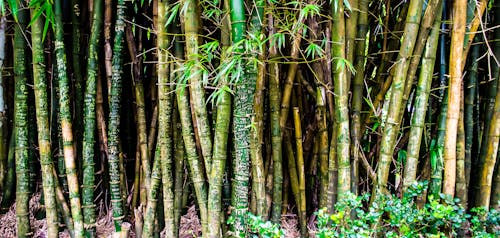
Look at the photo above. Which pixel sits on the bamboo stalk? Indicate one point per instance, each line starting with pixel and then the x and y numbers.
pixel 41 104
pixel 420 107
pixel 67 124
pixel 391 128
pixel 301 173
pixel 20 122
pixel 276 130
pixel 357 90
pixel 341 91
pixel 191 28
pixel 455 81
pixel 165 132
pixel 114 118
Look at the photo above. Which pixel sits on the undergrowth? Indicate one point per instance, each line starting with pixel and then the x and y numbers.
pixel 392 216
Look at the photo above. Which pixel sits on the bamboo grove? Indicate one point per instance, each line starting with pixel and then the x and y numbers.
pixel 266 107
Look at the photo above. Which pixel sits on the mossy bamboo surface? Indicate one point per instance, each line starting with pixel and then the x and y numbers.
pixel 455 81
pixel 341 91
pixel 67 124
pixel 42 120
pixel 20 125
pixel 114 118
pixel 165 132
pixel 276 139
pixel 89 122
pixel 420 105
pixel 152 203
pixel 223 117
pixel 191 33
pixel 391 128
pixel 322 147
pixel 259 73
pixel 357 89
pixel 242 111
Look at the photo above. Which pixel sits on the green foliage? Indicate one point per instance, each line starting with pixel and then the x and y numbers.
pixel 393 217
pixel 257 227
pixel 400 217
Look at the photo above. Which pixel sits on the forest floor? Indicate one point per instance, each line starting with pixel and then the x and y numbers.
pixel 190 224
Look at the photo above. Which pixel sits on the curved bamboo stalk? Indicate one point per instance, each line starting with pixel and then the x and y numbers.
pixel 152 203
pixel 450 138
pixel 191 28
pixel 222 123
pixel 391 128
pixel 420 106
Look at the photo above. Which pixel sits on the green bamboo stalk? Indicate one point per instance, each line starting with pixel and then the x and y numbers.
pixel 223 116
pixel 341 92
pixel 179 172
pixel 41 103
pixel 431 11
pixel 66 123
pixel 152 204
pixel 420 106
pixel 322 147
pixel 292 170
pixel 357 90
pixel 79 82
pixel 89 121
pixel 242 111
pixel 10 175
pixel 470 91
pixel 164 141
pixel 391 128
pixel 63 207
pixel 191 28
pixel 114 118
pixel 258 74
pixel 455 81
pixel 436 151
pixel 140 108
pixel 351 23
pixel 179 151
pixel 195 165
pixel 276 139
pixel 20 124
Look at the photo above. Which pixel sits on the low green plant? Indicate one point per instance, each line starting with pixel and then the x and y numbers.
pixel 392 216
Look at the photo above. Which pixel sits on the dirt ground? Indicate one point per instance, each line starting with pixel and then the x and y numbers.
pixel 190 224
